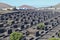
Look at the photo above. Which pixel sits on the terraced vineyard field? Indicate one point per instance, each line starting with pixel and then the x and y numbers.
pixel 26 22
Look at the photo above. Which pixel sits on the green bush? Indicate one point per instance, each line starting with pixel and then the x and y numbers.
pixel 16 36
pixel 54 39
pixel 59 34
pixel 41 25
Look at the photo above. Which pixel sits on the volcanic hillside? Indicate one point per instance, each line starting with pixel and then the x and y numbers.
pixel 4 5
pixel 27 7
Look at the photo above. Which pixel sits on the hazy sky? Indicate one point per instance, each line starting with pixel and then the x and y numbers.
pixel 35 3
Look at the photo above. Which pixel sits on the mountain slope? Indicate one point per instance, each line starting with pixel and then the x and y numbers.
pixel 3 5
pixel 56 6
pixel 27 7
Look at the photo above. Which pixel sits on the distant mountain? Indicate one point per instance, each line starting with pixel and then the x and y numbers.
pixel 27 7
pixel 3 5
pixel 56 6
